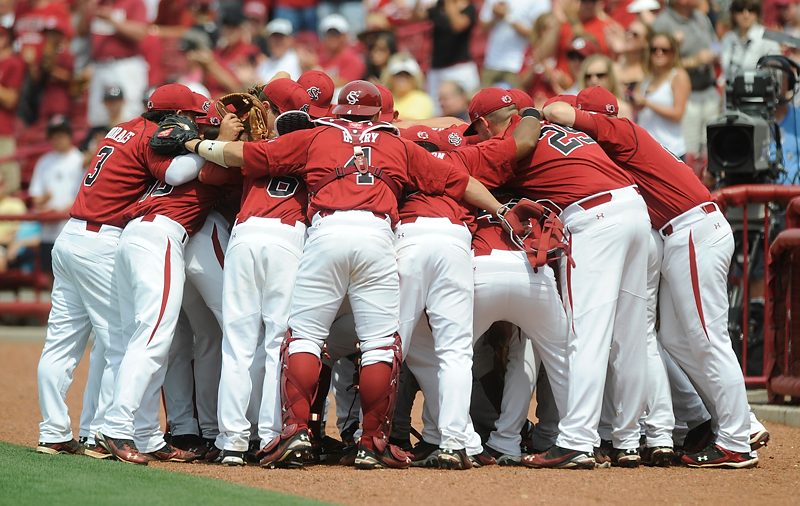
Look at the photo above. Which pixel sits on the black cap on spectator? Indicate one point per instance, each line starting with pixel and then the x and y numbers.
pixel 233 17
pixel 113 92
pixel 193 39
pixel 58 123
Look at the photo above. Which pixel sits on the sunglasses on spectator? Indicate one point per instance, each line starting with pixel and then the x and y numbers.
pixel 662 50
pixel 599 75
pixel 751 10
pixel 635 35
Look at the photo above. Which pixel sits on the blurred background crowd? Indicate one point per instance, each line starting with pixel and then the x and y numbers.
pixel 70 70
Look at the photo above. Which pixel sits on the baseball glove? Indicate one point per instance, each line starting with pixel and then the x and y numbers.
pixel 249 109
pixel 172 133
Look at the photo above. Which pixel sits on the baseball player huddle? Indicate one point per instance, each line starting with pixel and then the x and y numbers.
pixel 240 265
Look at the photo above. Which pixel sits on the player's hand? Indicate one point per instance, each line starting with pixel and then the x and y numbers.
pixel 230 128
pixel 512 224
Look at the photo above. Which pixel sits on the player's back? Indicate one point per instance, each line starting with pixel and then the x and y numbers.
pixel 566 166
pixel 119 174
pixel 281 197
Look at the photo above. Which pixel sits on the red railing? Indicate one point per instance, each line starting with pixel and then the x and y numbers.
pixel 37 279
pixel 742 197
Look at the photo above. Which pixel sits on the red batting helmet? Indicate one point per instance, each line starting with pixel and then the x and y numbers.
pixel 359 98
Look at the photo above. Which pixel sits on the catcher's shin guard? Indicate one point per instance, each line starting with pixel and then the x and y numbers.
pixel 387 398
pixel 297 387
pixel 318 406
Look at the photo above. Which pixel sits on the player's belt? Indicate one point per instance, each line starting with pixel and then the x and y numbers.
pixel 595 201
pixel 708 209
pixel 413 219
pixel 152 217
pixel 93 226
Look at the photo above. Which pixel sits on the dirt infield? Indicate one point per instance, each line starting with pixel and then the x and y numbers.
pixel 776 481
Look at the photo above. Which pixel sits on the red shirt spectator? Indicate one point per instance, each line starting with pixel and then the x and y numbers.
pixel 235 63
pixel 12 74
pixel 340 60
pixel 32 18
pixel 618 11
pixel 108 43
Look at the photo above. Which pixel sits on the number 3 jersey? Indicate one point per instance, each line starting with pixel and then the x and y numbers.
pixel 566 166
pixel 314 154
pixel 122 169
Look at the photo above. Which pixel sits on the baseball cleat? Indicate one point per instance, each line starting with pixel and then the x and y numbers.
pixel 626 458
pixel 602 454
pixel 70 446
pixel 759 439
pixel 482 459
pixel 715 456
pixel 96 452
pixel 504 459
pixel 349 457
pixel 233 458
pixel 169 453
pixel 560 458
pixel 390 457
pixel 660 456
pixel 192 443
pixel 123 450
pixel 214 455
pixel 286 451
pixel 454 459
pixel 321 448
pixel 425 455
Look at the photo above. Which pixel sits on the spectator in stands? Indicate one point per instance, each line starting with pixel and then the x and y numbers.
pixel 381 47
pixel 31 18
pixel 661 98
pixel 117 28
pixel 7 13
pixel 339 59
pixel 580 49
pixel 787 114
pixel 598 70
pixel 646 10
pixel 406 82
pixel 55 182
pixel 230 67
pixel 453 101
pixel 256 13
pixel 634 54
pixel 282 55
pixel 12 75
pixel 744 45
pixel 114 100
pixel 192 41
pixel 353 11
pixel 453 21
pixel 301 13
pixel 508 24
pixel 583 18
pixel 8 229
pixel 539 76
pixel 695 34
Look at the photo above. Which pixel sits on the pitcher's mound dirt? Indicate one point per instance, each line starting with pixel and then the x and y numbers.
pixel 775 481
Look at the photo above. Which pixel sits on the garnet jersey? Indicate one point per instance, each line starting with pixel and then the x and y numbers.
pixel 187 204
pixel 315 153
pixel 496 153
pixel 121 171
pixel 566 166
pixel 281 197
pixel 490 234
pixel 668 186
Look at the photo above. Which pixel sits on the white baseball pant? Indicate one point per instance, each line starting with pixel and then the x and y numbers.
pixel 91 394
pixel 178 388
pixel 698 246
pixel 605 295
pixel 261 265
pixel 83 298
pixel 435 267
pixel 150 277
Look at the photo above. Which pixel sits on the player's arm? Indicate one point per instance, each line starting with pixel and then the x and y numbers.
pixel 183 169
pixel 526 135
pixel 560 112
pixel 477 195
pixel 226 154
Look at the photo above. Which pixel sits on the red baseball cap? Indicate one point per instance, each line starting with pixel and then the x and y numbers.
pixel 570 99
pixel 598 99
pixel 387 109
pixel 177 97
pixel 256 10
pixel 583 47
pixel 319 87
pixel 287 95
pixel 212 118
pixel 487 100
pixel 521 98
pixel 451 138
pixel 422 133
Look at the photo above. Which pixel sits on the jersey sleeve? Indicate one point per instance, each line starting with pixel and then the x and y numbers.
pixel 491 162
pixel 155 163
pixel 434 176
pixel 614 135
pixel 286 154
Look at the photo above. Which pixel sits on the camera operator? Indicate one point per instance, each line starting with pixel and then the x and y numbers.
pixel 786 114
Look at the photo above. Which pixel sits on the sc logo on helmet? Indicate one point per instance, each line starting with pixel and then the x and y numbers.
pixel 352 97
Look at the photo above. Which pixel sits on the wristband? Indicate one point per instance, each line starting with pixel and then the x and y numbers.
pixel 532 112
pixel 197 148
pixel 212 151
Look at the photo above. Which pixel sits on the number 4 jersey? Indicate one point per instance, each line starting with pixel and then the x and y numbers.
pixel 122 169
pixel 566 166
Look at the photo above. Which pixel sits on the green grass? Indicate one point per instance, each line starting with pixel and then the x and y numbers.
pixel 50 480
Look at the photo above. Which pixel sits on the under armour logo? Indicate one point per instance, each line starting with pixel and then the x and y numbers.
pixel 702 458
pixel 313 93
pixel 401 234
pixel 601 215
pixel 362 454
pixel 303 437
pixel 352 97
pixel 717 225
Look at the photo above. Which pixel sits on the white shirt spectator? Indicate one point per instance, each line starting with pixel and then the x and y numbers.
pixel 267 69
pixel 739 54
pixel 505 48
pixel 60 176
